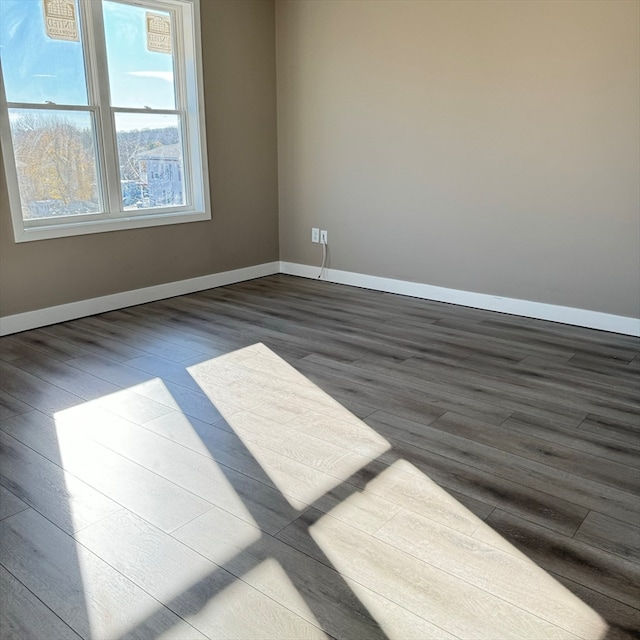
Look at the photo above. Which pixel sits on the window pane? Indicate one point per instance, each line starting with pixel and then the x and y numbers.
pixel 55 162
pixel 39 67
pixel 139 77
pixel 151 160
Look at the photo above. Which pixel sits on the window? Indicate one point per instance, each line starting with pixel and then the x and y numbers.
pixel 101 115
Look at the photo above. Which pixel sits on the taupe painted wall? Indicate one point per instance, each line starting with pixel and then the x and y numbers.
pixel 240 94
pixel 479 145
pixel 483 146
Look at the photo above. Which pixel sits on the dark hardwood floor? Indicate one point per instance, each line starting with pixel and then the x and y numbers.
pixel 288 458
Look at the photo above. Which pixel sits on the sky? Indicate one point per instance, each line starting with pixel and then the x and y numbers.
pixel 38 69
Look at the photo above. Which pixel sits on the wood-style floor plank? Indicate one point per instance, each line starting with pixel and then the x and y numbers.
pixel 96 469
pixel 42 484
pixel 574 560
pixel 542 480
pixel 247 493
pixel 446 379
pixel 139 321
pixel 624 431
pixel 488 485
pixel 64 376
pixel 10 349
pixel 623 621
pixel 380 376
pixel 488 568
pixel 600 444
pixel 556 456
pixel 10 503
pixel 10 406
pixel 212 600
pixel 609 534
pixel 136 339
pixel 567 371
pixel 117 373
pixel 25 616
pixel 36 392
pixel 39 341
pixel 290 458
pixel 73 334
pixel 553 340
pixel 433 593
pixel 302 583
pixel 83 590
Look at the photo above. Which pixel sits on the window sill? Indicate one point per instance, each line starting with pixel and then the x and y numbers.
pixel 85 227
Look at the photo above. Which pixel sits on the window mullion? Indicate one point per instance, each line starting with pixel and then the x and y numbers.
pixel 182 101
pixel 189 36
pixel 99 95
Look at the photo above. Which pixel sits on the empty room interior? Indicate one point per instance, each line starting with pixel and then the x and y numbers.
pixel 320 319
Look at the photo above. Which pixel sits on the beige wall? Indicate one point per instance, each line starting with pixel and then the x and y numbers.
pixel 477 145
pixel 239 79
pixel 483 146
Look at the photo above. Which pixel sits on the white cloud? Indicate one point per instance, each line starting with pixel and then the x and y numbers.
pixel 161 75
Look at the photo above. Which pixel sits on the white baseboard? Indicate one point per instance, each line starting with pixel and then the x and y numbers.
pixel 567 315
pixel 73 310
pixel 514 306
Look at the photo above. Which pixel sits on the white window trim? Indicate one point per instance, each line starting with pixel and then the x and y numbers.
pixel 188 35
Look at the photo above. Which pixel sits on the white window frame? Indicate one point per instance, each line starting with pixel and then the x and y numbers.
pixel 189 105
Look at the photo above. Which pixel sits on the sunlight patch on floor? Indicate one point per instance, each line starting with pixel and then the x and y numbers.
pixel 416 559
pixel 269 577
pixel 504 594
pixel 81 428
pixel 276 402
pixel 114 605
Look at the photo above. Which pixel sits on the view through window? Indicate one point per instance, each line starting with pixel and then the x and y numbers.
pixel 102 111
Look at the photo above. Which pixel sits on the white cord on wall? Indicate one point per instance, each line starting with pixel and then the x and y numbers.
pixel 324 260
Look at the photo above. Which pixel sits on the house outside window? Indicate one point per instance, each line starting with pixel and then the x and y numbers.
pixel 160 175
pixel 102 115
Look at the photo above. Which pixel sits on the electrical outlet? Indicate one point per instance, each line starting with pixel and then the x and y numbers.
pixel 323 236
pixel 315 234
